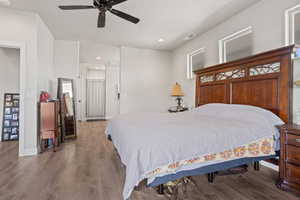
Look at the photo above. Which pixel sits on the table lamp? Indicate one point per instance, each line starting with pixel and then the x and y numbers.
pixel 178 93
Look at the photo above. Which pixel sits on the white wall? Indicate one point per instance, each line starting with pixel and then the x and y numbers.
pixel 66 65
pixel 22 27
pixel 110 55
pixel 267 21
pixel 110 61
pixel 9 75
pixel 66 59
pixel 145 80
pixel 45 50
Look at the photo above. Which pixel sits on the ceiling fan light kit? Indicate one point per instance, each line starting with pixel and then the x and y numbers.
pixel 103 6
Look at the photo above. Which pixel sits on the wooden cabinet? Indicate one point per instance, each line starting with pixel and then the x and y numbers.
pixel 49 127
pixel 290 158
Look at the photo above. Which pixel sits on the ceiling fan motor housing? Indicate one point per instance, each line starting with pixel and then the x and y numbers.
pixel 103 6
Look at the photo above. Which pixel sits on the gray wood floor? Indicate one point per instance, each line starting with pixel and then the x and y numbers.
pixel 89 169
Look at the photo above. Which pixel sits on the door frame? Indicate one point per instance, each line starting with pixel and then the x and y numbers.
pixel 22 88
pixel 82 90
pixel 86 98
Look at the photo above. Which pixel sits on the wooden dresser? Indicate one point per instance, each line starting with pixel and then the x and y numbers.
pixel 290 158
pixel 49 123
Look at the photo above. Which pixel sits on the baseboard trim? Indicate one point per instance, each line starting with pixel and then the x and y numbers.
pixel 28 152
pixel 270 165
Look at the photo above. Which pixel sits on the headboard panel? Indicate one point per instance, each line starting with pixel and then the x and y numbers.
pixel 264 80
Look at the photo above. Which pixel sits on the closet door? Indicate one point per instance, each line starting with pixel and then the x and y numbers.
pixel 95 93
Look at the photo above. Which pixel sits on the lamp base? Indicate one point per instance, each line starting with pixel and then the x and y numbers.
pixel 179 103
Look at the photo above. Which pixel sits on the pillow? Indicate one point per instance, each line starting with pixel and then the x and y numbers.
pixel 239 112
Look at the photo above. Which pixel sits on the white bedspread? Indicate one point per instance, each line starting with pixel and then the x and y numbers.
pixel 148 141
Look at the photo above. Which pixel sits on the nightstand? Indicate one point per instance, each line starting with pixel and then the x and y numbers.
pixel 178 110
pixel 290 158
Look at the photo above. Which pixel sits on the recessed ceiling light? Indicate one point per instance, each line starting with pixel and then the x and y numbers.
pixel 5 2
pixel 98 58
pixel 161 40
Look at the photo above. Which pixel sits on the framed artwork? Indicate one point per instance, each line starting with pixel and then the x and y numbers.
pixel 7 111
pixel 8 98
pixel 7 130
pixel 14 123
pixel 5 136
pixel 10 130
pixel 15 110
pixel 14 137
pixel 8 104
pixel 6 123
pixel 8 117
pixel 16 103
pixel 15 116
pixel 14 131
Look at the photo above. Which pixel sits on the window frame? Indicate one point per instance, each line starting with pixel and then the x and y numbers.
pixel 290 24
pixel 223 42
pixel 189 70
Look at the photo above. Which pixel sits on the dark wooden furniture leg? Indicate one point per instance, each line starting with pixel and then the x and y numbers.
pixel 54 144
pixel 161 189
pixel 256 166
pixel 211 177
pixel 42 145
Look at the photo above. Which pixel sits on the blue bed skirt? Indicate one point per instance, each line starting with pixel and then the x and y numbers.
pixel 207 169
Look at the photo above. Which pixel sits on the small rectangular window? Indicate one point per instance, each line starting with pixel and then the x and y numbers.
pixel 195 61
pixel 239 48
pixel 297 29
pixel 236 46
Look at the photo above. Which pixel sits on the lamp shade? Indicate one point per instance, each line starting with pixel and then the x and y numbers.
pixel 177 91
pixel 297 83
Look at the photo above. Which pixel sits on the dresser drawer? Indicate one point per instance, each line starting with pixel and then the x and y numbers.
pixel 293 173
pixel 293 140
pixel 293 154
pixel 47 134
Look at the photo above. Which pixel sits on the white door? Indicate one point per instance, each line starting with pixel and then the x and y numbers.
pixel 95 99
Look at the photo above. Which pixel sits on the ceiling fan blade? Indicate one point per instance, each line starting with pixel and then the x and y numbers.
pixel 125 16
pixel 76 7
pixel 115 2
pixel 101 19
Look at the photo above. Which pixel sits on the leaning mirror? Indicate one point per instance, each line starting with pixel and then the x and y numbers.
pixel 67 108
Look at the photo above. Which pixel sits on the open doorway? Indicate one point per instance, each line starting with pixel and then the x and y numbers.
pixel 99 94
pixel 10 98
pixel 95 94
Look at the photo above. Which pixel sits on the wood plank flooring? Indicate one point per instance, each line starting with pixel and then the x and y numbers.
pixel 89 169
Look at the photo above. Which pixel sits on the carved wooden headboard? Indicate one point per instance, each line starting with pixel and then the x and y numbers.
pixel 264 80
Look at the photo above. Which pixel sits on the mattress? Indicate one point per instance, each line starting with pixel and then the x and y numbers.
pixel 261 148
pixel 153 145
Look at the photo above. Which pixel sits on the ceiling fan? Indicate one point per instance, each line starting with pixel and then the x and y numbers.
pixel 103 6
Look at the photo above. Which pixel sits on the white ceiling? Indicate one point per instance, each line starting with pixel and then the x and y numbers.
pixel 172 20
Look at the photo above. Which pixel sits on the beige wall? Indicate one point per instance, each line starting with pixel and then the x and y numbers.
pixel 145 80
pixel 267 21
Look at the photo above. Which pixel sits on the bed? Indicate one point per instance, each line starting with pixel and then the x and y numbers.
pixel 239 105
